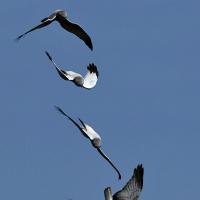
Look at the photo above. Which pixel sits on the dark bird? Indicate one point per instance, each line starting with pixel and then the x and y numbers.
pixel 61 17
pixel 92 135
pixel 88 82
pixel 132 190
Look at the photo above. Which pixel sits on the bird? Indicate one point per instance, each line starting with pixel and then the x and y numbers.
pixel 92 135
pixel 132 189
pixel 61 17
pixel 87 82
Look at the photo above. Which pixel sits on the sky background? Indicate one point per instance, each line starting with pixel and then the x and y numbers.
pixel 145 106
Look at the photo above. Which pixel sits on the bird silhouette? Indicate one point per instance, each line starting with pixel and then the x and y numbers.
pixel 132 190
pixel 61 17
pixel 88 82
pixel 92 135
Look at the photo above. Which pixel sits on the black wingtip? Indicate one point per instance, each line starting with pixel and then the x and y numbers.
pixel 91 47
pixel 139 173
pixel 89 44
pixel 18 38
pixel 106 158
pixel 60 110
pixel 93 69
pixel 48 55
pixel 120 177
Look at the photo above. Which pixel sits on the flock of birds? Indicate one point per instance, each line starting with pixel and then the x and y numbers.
pixel 133 188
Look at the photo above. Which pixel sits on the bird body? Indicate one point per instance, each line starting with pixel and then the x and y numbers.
pixel 87 82
pixel 61 17
pixel 92 135
pixel 132 190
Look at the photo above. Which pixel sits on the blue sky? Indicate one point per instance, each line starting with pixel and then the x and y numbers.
pixel 145 105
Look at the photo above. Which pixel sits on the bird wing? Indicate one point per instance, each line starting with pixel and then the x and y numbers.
pixel 66 75
pixel 105 157
pixel 75 123
pixel 72 75
pixel 91 77
pixel 63 113
pixel 108 193
pixel 44 22
pixel 132 190
pixel 75 29
pixel 91 133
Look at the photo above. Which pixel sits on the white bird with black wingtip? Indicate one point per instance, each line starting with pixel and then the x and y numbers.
pixel 132 190
pixel 87 82
pixel 92 135
pixel 61 17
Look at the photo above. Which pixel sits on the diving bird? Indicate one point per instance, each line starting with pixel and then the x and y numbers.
pixel 61 17
pixel 88 82
pixel 132 190
pixel 92 135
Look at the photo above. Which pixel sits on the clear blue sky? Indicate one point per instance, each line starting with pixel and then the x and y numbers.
pixel 146 105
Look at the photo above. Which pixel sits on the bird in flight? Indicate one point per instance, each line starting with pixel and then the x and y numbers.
pixel 88 82
pixel 92 135
pixel 61 17
pixel 132 190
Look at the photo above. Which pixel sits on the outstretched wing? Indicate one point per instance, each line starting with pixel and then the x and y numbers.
pixel 75 123
pixel 105 157
pixel 66 75
pixel 75 29
pixel 63 113
pixel 44 22
pixel 132 190
pixel 72 75
pixel 91 77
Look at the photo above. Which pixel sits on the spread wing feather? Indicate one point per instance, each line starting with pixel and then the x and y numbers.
pixel 44 22
pixel 75 29
pixel 91 77
pixel 132 190
pixel 66 75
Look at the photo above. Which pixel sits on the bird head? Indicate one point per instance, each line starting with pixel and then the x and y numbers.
pixel 96 142
pixel 61 12
pixel 78 81
pixel 108 193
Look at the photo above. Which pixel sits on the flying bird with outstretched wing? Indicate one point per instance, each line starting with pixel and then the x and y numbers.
pixel 132 190
pixel 88 82
pixel 61 17
pixel 92 135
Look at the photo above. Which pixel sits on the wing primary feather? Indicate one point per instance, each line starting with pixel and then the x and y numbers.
pixel 75 29
pixel 51 59
pixel 41 25
pixel 63 113
pixel 139 173
pixel 82 123
pixel 105 157
pixel 61 72
pixel 93 69
pixel 133 188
